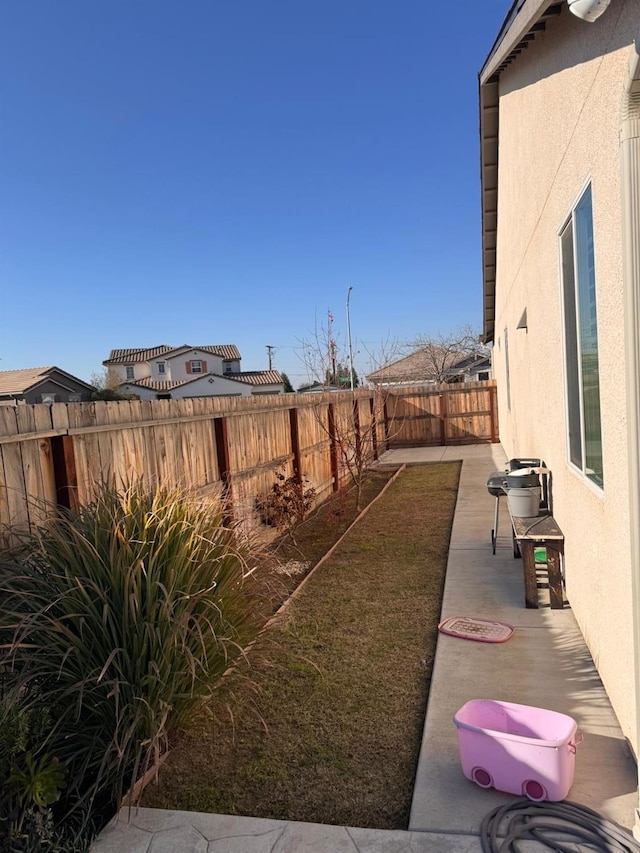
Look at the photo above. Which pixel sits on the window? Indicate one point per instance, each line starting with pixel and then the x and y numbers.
pixel 582 375
pixel 196 366
pixel 48 398
pixel 228 367
pixel 130 374
pixel 75 398
pixel 162 368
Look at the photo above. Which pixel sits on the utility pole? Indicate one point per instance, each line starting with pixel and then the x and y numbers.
pixel 270 350
pixel 349 339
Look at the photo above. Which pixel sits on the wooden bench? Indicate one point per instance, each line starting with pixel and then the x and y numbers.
pixel 531 533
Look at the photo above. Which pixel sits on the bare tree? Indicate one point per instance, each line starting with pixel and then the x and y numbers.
pixel 322 354
pixel 350 418
pixel 441 352
pixel 107 386
pixel 387 352
pixel 431 358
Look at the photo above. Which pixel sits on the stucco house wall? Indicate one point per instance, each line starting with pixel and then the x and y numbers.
pixel 559 117
pixel 177 364
pixel 141 370
pixel 63 391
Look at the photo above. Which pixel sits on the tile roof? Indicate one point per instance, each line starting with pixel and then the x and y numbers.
pixel 417 366
pixel 257 377
pixel 250 377
pixel 120 356
pixel 227 351
pixel 19 381
pixel 133 356
pixel 159 384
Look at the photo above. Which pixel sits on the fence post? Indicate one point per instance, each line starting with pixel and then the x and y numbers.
pixel 385 414
pixel 492 414
pixel 443 417
pixel 295 443
pixel 222 452
pixel 64 472
pixel 333 449
pixel 374 428
pixel 356 429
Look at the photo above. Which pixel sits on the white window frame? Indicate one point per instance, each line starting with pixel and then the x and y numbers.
pixel 130 372
pixel 48 397
pixel 162 368
pixel 199 369
pixel 580 470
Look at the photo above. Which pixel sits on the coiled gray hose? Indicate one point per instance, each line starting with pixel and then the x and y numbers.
pixel 556 826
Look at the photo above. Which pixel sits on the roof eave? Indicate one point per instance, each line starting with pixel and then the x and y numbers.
pixel 524 15
pixel 524 19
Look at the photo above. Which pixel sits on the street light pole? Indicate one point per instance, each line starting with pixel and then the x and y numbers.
pixel 349 338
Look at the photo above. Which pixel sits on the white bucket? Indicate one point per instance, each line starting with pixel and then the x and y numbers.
pixel 524 503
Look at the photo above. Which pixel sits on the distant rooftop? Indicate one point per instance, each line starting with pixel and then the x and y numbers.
pixel 19 381
pixel 142 354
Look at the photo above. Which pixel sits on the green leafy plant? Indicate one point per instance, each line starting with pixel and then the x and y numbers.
pixel 124 618
pixel 31 780
pixel 38 781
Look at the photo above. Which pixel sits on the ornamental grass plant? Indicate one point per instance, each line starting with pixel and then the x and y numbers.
pixel 121 621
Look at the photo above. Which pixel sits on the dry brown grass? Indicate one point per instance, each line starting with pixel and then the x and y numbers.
pixel 326 719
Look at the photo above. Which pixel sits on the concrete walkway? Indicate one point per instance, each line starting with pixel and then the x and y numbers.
pixel 545 663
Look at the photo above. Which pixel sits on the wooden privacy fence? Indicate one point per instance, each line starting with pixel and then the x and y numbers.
pixel 464 413
pixel 57 454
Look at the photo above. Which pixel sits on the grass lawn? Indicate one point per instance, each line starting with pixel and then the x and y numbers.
pixel 289 560
pixel 323 723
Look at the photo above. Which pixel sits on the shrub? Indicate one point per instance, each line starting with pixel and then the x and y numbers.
pixel 287 503
pixel 124 617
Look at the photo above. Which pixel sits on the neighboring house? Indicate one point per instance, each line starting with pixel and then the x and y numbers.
pixel 42 385
pixel 475 367
pixel 560 166
pixel 165 372
pixel 427 366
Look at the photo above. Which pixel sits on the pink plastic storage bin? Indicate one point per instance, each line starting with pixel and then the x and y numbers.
pixel 519 749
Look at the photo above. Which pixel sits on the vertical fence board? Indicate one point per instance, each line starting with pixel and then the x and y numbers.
pixel 15 494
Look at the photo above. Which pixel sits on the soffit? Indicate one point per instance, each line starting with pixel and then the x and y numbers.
pixel 524 21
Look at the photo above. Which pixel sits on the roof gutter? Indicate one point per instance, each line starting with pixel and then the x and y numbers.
pixel 630 181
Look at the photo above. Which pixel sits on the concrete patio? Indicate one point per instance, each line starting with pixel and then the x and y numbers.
pixel 545 663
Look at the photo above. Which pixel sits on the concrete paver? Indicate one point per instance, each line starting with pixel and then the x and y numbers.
pixel 545 663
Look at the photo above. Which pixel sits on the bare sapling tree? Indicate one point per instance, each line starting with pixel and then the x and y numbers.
pixel 321 353
pixel 354 432
pixel 351 419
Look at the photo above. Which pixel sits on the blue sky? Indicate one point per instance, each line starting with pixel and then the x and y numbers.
pixel 204 172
